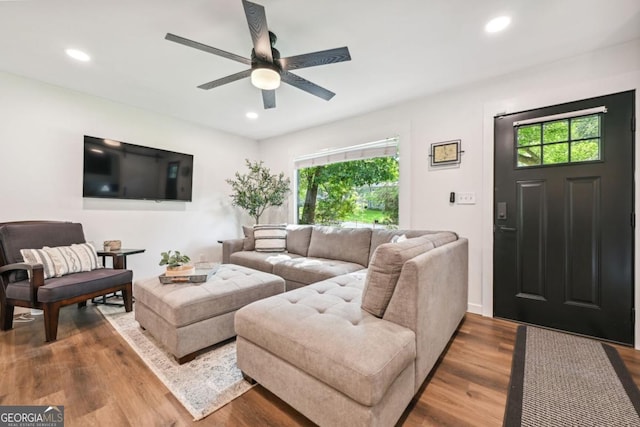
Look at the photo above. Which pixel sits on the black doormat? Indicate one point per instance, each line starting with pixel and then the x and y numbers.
pixel 563 380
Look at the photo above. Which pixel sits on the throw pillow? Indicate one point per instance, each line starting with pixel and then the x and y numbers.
pixel 249 243
pixel 39 256
pixel 384 271
pixel 399 238
pixel 88 255
pixel 270 237
pixel 74 258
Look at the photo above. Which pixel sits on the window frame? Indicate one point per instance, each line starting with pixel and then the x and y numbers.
pixel 388 147
pixel 569 117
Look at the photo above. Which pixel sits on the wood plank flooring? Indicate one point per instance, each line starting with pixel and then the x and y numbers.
pixel 92 372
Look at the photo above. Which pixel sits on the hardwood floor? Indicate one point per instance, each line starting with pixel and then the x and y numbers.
pixel 101 381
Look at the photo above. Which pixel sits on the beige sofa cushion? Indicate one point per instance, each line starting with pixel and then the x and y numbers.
pixel 321 330
pixel 263 261
pixel 384 270
pixel 311 270
pixel 249 243
pixel 386 265
pixel 344 244
pixel 381 235
pixel 298 239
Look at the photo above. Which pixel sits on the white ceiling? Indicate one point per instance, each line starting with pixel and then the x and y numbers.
pixel 400 50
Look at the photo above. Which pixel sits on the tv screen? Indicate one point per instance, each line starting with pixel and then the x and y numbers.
pixel 118 170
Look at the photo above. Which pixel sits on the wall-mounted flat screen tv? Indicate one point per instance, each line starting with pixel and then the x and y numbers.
pixel 118 170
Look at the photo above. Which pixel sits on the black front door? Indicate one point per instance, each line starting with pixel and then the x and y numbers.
pixel 563 217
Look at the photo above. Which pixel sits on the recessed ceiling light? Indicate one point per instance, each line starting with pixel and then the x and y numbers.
pixel 251 115
pixel 497 24
pixel 78 55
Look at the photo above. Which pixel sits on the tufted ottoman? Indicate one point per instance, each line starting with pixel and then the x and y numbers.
pixel 188 317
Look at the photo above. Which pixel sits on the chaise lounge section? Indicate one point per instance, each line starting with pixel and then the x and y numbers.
pixel 355 348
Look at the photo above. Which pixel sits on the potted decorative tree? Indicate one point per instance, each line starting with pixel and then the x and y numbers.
pixel 176 263
pixel 258 189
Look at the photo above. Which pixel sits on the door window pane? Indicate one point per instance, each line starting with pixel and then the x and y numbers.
pixel 529 135
pixel 555 131
pixel 529 156
pixel 585 127
pixel 584 151
pixel 556 153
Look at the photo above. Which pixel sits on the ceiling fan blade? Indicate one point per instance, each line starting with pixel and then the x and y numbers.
pixel 306 85
pixel 329 56
pixel 269 99
pixel 257 21
pixel 205 48
pixel 225 80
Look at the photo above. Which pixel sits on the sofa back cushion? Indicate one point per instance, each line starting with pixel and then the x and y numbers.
pixel 384 270
pixel 298 239
pixel 35 235
pixel 249 243
pixel 344 244
pixel 381 235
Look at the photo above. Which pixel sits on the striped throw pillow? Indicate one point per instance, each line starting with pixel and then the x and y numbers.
pixel 74 258
pixel 39 256
pixel 270 237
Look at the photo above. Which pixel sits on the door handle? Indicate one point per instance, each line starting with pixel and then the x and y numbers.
pixel 503 228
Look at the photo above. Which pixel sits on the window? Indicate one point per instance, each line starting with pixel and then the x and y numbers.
pixel 559 141
pixel 352 187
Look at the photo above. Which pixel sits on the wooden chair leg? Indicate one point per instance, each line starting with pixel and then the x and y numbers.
pixel 127 295
pixel 7 317
pixel 51 313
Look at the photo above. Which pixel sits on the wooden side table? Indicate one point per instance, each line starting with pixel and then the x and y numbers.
pixel 119 262
pixel 119 257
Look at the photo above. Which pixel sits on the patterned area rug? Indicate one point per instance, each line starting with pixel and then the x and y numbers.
pixel 203 385
pixel 563 380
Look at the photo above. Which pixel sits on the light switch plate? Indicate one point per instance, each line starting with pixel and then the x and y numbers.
pixel 466 198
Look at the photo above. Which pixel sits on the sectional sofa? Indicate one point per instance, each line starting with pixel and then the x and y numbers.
pixel 367 315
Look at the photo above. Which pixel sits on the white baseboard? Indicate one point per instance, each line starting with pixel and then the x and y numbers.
pixel 474 308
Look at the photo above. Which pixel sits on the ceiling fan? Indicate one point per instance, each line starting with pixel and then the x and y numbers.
pixel 267 68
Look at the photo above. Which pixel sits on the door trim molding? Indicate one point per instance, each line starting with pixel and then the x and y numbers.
pixel 530 101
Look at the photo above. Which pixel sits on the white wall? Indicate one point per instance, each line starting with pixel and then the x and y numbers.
pixel 41 141
pixel 467 114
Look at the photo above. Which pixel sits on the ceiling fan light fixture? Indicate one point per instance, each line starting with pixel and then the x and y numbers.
pixel 265 78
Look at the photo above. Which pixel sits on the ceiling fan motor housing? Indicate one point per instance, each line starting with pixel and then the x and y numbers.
pixel 275 54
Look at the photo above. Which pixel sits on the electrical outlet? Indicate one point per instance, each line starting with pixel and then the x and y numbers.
pixel 466 198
